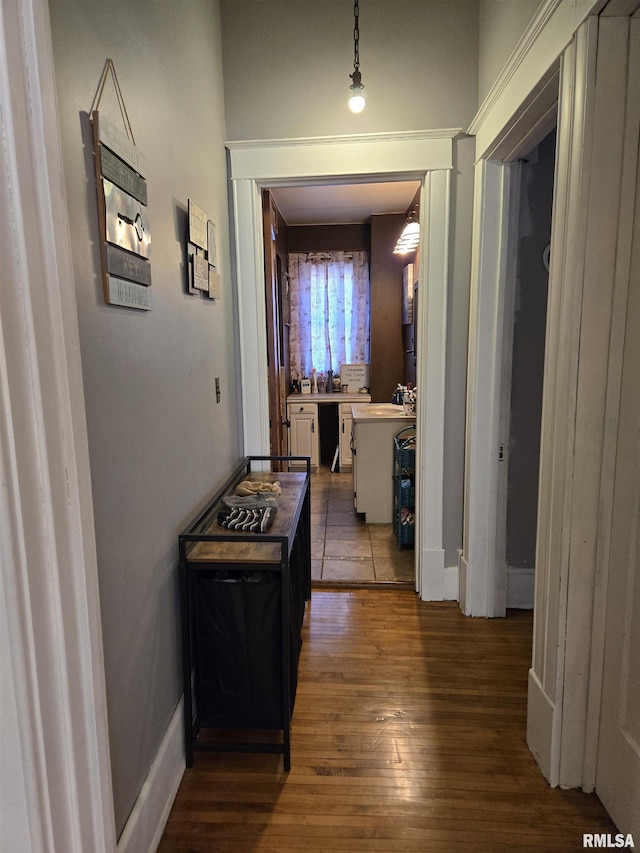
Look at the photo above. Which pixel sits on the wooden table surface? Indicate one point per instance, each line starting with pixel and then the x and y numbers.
pixel 228 551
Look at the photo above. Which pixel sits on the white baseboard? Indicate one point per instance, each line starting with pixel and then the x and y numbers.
pixel 462 582
pixel 150 813
pixel 520 588
pixel 540 713
pixel 451 583
pixel 432 572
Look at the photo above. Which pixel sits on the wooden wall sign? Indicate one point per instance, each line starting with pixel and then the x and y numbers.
pixel 211 244
pixel 200 273
pixel 214 284
pixel 202 253
pixel 125 233
pixel 197 226
pixel 126 221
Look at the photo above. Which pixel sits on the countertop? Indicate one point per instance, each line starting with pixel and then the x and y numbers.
pixel 372 412
pixel 334 397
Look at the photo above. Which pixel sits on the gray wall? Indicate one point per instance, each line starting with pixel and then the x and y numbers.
pixel 159 444
pixel 287 66
pixel 527 364
pixel 501 24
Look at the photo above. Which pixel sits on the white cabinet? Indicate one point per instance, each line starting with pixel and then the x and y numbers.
pixel 373 466
pixel 303 412
pixel 303 432
pixel 344 427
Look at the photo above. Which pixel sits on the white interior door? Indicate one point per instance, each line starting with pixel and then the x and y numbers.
pixel 618 768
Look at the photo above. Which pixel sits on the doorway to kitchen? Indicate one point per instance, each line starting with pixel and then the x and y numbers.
pixel 425 156
pixel 330 224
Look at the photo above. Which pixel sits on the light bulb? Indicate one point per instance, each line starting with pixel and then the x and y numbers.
pixel 356 101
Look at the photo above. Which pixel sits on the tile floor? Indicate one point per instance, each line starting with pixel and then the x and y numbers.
pixel 346 550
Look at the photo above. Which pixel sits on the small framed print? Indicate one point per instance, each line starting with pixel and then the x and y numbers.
pixel 191 253
pixel 215 288
pixel 200 273
pixel 212 251
pixel 197 225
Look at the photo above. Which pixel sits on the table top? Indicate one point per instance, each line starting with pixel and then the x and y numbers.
pixel 265 547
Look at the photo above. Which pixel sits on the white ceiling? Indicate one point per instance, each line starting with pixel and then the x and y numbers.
pixel 344 203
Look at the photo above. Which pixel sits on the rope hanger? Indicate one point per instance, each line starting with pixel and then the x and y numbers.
pixel 109 69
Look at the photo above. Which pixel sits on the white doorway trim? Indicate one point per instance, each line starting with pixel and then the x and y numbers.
pixel 55 779
pixel 425 156
pixel 580 387
pixel 431 581
pixel 591 245
pixel 482 581
pixel 517 114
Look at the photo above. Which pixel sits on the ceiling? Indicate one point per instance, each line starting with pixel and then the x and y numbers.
pixel 340 204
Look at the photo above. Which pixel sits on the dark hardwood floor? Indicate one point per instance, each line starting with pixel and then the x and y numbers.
pixel 408 735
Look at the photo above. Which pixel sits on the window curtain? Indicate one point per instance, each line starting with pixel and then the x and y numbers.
pixel 329 310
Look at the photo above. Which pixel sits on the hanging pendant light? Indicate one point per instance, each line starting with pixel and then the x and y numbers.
pixel 356 101
pixel 410 238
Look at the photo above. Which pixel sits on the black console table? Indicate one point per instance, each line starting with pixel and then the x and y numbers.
pixel 243 598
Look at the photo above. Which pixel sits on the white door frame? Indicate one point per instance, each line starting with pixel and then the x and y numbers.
pixel 580 375
pixel 55 776
pixel 482 577
pixel 427 156
pixel 517 114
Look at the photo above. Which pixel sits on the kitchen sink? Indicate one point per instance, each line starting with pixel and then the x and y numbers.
pixel 388 409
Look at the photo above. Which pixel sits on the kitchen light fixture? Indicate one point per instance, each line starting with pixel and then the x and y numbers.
pixel 356 101
pixel 410 237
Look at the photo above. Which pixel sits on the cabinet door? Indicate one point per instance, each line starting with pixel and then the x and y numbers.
pixel 346 421
pixel 304 434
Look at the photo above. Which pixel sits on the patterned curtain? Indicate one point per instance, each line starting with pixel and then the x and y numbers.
pixel 329 310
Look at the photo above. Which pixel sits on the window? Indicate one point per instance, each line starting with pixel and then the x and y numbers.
pixel 329 299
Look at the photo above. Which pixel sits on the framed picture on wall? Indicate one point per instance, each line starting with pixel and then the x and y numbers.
pixel 408 281
pixel 212 246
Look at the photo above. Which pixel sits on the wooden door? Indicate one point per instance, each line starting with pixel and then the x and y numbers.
pixel 618 769
pixel 277 332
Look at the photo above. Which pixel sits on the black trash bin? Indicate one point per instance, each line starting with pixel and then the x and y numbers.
pixel 238 649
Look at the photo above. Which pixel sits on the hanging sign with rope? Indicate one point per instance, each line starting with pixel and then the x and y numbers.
pixel 125 234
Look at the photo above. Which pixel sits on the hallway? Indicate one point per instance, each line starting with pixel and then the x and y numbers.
pixel 344 549
pixel 408 735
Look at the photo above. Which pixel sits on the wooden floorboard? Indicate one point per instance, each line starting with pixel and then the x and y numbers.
pixel 408 735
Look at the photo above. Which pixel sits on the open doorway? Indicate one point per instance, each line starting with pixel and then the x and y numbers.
pixel 427 156
pixel 332 224
pixel 522 377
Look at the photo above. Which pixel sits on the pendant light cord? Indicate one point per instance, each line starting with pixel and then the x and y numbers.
pixel 356 36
